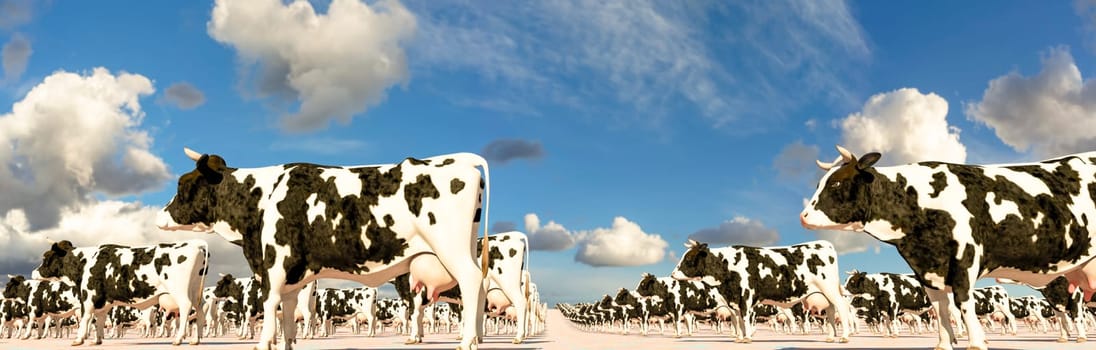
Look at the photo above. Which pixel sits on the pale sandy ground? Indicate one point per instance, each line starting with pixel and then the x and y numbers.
pixel 562 335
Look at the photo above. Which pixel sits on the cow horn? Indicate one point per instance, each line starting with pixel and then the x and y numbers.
pixel 192 154
pixel 845 154
pixel 691 243
pixel 824 166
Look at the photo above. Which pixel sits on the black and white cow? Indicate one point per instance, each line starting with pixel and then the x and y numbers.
pixel 346 304
pixel 54 300
pixel 892 293
pixel 1068 307
pixel 781 276
pixel 13 314
pixel 956 223
pixel 110 275
pixel 1027 309
pixel 679 298
pixel 247 302
pixel 299 222
pixel 394 313
pixel 995 299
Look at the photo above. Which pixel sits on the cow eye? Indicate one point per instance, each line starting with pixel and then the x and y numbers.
pixel 836 184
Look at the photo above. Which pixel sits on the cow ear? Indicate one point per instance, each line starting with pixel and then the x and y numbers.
pixel 867 160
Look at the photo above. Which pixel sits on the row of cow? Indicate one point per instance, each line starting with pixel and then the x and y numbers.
pixel 124 283
pixel 785 285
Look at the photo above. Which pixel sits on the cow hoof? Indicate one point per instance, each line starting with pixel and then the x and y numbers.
pixel 1082 340
pixel 77 343
pixel 175 343
pixel 1063 340
pixel 679 336
pixel 195 342
pixel 829 340
pixel 411 341
pixel 517 341
pixel 843 340
pixel 98 342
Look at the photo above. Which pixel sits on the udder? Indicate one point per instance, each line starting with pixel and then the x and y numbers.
pixel 428 273
pixel 497 300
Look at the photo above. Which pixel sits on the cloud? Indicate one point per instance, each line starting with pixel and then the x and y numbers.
pixel 93 223
pixel 15 54
pixel 319 145
pixel 184 95
pixel 502 151
pixel 14 13
pixel 550 237
pixel 739 231
pixel 358 59
pixel 503 226
pixel 74 135
pixel 1051 113
pixel 905 126
pixel 623 244
pixel 1086 9
pixel 647 60
pixel 848 242
pixel 796 162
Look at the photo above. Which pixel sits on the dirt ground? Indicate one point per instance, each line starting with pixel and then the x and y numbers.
pixel 562 335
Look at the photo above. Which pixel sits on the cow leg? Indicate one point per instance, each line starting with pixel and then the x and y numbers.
pixel 86 317
pixel 289 318
pixel 942 303
pixel 273 282
pixel 417 313
pixel 964 300
pixel 1063 321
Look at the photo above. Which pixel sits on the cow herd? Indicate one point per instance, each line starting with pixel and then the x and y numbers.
pixel 415 224
pixel 952 224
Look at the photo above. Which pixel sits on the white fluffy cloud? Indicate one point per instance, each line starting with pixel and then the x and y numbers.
pixel 905 126
pixel 1051 113
pixel 551 236
pixel 740 230
pixel 109 221
pixel 335 64
pixel 74 135
pixel 623 244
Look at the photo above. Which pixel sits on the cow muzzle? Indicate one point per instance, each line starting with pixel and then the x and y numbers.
pixel 165 222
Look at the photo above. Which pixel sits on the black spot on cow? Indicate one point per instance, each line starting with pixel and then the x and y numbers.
pixel 939 182
pixel 414 161
pixel 388 220
pixel 432 219
pixel 182 258
pixel 503 239
pixel 833 260
pixel 445 162
pixel 414 193
pixel 16 288
pixel 160 262
pixel 456 185
pixel 513 252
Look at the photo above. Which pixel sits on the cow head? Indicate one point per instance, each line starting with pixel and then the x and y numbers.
pixel 841 201
pixel 60 263
pixel 858 283
pixel 649 286
pixel 209 200
pixel 227 287
pixel 16 288
pixel 700 264
pixel 624 297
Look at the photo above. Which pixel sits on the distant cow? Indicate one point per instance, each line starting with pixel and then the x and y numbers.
pixel 995 299
pixel 781 276
pixel 13 314
pixel 110 275
pixel 956 223
pixel 346 304
pixel 55 300
pixel 896 293
pixel 299 222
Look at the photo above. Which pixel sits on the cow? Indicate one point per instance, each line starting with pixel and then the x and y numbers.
pixel 346 304
pixel 893 293
pixel 245 292
pixel 55 300
pixel 108 275
pixel 680 298
pixel 956 223
pixel 393 312
pixel 299 222
pixel 121 318
pixel 1066 305
pixel 993 300
pixel 13 314
pixel 1027 309
pixel 781 276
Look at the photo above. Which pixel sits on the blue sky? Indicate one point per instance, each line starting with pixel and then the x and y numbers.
pixel 624 127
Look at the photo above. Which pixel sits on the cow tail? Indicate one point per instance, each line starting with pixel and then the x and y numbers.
pixel 525 269
pixel 484 254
